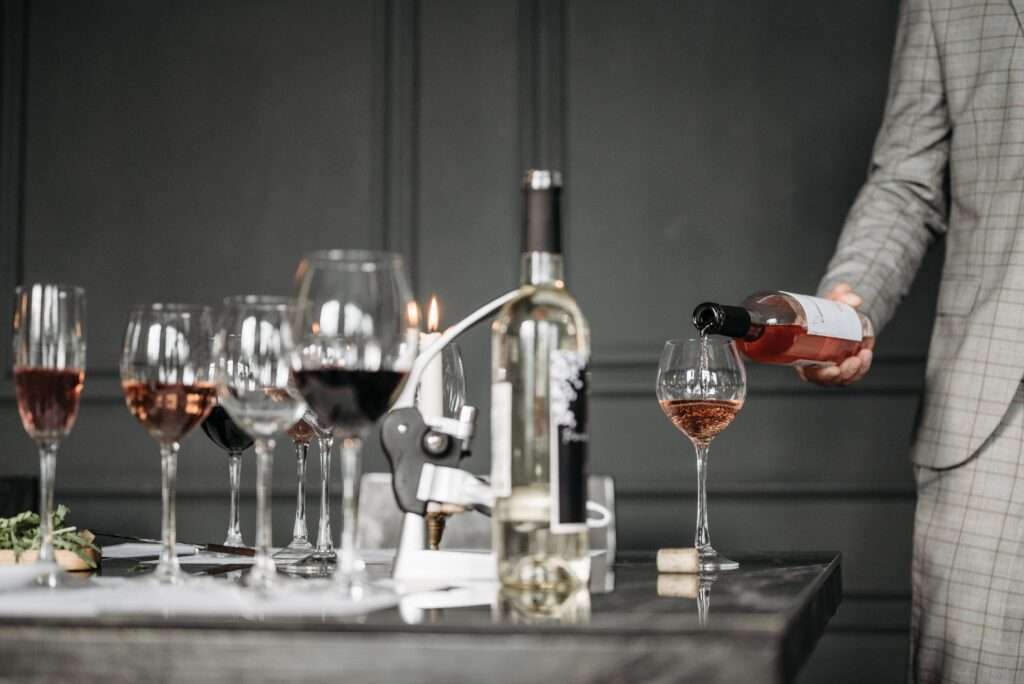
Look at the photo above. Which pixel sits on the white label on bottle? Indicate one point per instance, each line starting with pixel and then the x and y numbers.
pixel 567 397
pixel 501 438
pixel 829 318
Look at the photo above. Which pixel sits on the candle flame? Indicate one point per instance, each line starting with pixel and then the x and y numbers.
pixel 412 311
pixel 433 317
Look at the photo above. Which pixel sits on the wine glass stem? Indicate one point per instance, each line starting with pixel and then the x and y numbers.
pixel 168 569
pixel 300 533
pixel 702 539
pixel 47 473
pixel 234 537
pixel 323 537
pixel 350 469
pixel 263 567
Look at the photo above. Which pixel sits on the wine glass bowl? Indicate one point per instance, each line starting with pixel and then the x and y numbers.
pixel 166 376
pixel 355 343
pixel 253 379
pixel 48 333
pixel 701 386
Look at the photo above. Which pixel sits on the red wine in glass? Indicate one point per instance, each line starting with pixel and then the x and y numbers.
pixel 349 399
pixel 225 433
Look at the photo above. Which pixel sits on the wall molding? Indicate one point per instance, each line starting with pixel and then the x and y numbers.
pixel 398 103
pixel 759 491
pixel 541 83
pixel 13 81
pixel 618 377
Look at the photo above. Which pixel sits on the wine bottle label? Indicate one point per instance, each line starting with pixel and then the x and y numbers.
pixel 501 438
pixel 568 468
pixel 828 318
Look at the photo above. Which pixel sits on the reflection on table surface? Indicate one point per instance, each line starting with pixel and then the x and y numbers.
pixel 632 598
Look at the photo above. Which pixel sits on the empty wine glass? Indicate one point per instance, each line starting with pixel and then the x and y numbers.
pixel 356 341
pixel 701 387
pixel 165 374
pixel 252 350
pixel 49 370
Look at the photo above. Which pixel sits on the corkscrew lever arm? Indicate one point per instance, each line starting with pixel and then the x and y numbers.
pixel 408 396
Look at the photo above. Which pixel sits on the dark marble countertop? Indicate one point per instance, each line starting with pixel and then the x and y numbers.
pixel 756 624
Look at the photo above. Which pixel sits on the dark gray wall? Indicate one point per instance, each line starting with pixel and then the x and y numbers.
pixel 187 151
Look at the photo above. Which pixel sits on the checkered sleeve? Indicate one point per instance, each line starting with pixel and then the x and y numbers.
pixel 902 206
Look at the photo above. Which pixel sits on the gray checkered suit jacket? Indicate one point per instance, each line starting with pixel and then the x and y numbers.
pixel 954 124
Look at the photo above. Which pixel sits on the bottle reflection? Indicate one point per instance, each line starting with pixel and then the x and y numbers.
pixel 536 607
pixel 696 587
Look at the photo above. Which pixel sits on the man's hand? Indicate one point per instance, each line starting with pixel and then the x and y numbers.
pixel 852 368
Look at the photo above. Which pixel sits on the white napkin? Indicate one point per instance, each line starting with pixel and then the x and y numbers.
pixel 22 575
pixel 143 550
pixel 142 596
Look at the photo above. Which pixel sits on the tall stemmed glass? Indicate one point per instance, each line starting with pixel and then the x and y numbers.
pixel 165 375
pixel 223 432
pixel 356 343
pixel 323 560
pixel 701 387
pixel 299 547
pixel 252 359
pixel 49 370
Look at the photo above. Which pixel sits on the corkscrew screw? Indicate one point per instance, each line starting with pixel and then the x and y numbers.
pixel 425 455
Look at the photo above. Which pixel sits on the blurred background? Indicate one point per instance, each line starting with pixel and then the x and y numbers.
pixel 192 150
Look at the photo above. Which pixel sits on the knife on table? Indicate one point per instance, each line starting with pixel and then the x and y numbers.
pixel 209 548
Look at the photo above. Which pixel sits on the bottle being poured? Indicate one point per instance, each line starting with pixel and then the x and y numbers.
pixel 789 329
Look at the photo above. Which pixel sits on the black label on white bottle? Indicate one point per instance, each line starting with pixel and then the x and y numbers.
pixel 568 466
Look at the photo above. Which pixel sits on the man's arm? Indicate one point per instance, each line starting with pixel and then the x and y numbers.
pixel 902 207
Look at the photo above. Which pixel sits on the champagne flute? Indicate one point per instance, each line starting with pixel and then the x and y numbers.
pixel 253 384
pixel 356 341
pixel 299 547
pixel 701 387
pixel 49 370
pixel 223 432
pixel 165 375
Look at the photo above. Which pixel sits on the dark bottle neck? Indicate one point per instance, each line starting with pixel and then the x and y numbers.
pixel 732 321
pixel 542 228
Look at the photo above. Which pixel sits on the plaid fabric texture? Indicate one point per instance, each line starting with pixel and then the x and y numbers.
pixel 955 114
pixel 968 608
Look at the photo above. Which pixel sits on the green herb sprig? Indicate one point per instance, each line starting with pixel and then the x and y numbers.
pixel 21 534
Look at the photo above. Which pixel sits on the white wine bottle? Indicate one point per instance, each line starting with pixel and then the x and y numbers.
pixel 540 352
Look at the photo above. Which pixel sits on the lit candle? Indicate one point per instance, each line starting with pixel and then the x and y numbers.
pixel 430 399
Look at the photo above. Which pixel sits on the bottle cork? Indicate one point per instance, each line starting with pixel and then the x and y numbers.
pixel 678 560
pixel 678 586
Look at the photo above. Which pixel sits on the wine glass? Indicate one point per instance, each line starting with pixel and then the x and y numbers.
pixel 223 432
pixel 299 547
pixel 701 387
pixel 49 370
pixel 356 341
pixel 166 378
pixel 322 561
pixel 252 350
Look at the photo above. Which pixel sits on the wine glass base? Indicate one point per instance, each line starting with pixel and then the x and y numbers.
pixel 310 566
pixel 53 578
pixel 296 551
pixel 715 562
